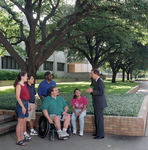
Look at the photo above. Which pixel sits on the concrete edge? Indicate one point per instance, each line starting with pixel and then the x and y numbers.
pixel 134 89
pixel 143 110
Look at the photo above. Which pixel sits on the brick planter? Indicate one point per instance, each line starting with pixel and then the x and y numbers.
pixel 121 125
pixel 118 125
pixel 129 126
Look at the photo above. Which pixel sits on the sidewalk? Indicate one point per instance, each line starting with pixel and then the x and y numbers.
pixel 144 88
pixel 110 142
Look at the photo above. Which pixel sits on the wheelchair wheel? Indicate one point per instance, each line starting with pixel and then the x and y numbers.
pixel 51 136
pixel 43 127
pixel 69 130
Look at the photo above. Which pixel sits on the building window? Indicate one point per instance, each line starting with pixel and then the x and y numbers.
pixel 48 65
pixel 60 66
pixel 9 63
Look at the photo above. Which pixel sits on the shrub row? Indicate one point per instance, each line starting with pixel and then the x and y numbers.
pixel 118 104
pixel 12 75
pixel 8 75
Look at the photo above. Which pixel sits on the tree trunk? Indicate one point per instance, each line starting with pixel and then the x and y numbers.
pixel 127 75
pixel 114 77
pixel 32 70
pixel 136 74
pixel 92 80
pixel 131 76
pixel 123 74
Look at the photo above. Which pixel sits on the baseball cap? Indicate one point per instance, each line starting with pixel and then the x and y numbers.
pixel 47 73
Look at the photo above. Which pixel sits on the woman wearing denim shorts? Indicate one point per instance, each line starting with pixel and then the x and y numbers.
pixel 79 105
pixel 21 109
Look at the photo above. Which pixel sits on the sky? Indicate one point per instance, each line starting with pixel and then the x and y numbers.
pixel 70 1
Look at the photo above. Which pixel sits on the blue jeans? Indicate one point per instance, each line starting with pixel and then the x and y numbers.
pixel 18 109
pixel 81 119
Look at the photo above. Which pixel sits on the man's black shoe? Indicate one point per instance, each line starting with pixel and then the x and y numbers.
pixel 99 137
pixel 94 134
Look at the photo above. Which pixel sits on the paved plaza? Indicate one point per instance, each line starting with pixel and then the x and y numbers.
pixel 110 142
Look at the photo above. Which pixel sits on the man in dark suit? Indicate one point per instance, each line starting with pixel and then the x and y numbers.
pixel 99 103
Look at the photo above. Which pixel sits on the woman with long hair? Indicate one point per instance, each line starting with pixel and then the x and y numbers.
pixel 21 109
pixel 79 105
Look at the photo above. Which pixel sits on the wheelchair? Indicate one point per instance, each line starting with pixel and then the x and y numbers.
pixel 45 128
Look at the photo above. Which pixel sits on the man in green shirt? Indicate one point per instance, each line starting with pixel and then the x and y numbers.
pixel 53 107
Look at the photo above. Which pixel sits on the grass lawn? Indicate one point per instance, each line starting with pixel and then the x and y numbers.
pixel 68 87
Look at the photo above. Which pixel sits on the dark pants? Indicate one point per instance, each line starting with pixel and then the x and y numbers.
pixel 99 122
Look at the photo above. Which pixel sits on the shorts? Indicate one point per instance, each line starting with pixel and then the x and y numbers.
pixel 18 109
pixel 52 115
pixel 32 114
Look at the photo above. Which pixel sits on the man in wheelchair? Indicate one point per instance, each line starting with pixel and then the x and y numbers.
pixel 53 108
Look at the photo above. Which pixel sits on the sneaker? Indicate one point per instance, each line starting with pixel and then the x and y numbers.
pixel 27 136
pixel 81 133
pixel 60 134
pixel 65 133
pixel 74 131
pixel 33 132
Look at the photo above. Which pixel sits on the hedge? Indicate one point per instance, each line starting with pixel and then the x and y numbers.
pixel 118 104
pixel 8 75
pixel 12 75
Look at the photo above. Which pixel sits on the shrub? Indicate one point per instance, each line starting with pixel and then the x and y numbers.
pixel 118 104
pixel 40 75
pixel 8 75
pixel 103 76
pixel 54 76
pixel 12 75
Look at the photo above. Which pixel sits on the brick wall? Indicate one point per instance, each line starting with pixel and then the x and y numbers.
pixel 117 125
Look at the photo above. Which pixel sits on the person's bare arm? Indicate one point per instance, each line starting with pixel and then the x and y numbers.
pixel 47 116
pixel 18 91
pixel 41 97
pixel 89 90
pixel 82 110
pixel 35 104
pixel 74 110
pixel 65 110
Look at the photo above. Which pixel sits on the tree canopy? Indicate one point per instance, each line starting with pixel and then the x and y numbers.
pixel 42 26
pixel 114 30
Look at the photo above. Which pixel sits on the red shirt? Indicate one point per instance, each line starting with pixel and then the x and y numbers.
pixel 24 94
pixel 79 104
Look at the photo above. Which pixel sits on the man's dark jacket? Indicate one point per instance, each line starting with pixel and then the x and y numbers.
pixel 98 95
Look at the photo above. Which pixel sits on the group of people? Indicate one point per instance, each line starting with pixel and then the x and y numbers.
pixel 54 107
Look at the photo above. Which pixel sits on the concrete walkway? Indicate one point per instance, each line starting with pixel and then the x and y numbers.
pixel 110 142
pixel 144 88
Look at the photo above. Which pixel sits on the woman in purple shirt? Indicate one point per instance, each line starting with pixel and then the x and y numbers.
pixel 79 105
